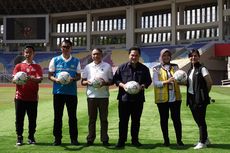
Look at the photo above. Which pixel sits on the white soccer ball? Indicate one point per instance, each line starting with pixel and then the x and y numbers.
pixel 97 82
pixel 180 76
pixel 63 77
pixel 132 87
pixel 20 78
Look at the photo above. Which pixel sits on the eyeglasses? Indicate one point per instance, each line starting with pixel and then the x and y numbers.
pixel 66 47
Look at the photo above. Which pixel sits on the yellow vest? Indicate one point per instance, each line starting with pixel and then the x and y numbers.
pixel 162 94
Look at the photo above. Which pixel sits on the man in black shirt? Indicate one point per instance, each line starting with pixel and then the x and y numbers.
pixel 131 104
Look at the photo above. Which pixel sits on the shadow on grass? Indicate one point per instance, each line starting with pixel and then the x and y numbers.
pixel 66 146
pixel 151 146
pixel 220 146
pixel 70 147
pixel 211 146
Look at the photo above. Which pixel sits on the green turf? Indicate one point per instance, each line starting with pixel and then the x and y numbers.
pixel 218 120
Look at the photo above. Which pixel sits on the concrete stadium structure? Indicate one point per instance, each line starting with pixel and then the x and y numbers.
pixel 117 25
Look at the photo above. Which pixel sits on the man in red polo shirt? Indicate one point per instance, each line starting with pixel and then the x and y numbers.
pixel 26 97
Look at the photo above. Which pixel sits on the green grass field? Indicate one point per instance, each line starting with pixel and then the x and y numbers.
pixel 218 120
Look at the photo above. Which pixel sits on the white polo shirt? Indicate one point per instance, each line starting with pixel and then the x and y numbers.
pixel 102 70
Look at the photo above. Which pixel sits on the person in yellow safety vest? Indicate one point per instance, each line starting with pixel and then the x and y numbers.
pixel 167 96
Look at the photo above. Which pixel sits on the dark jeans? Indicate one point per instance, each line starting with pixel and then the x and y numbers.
pixel 21 108
pixel 95 105
pixel 127 109
pixel 199 113
pixel 174 108
pixel 71 104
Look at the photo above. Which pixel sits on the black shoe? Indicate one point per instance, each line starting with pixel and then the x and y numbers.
pixel 57 143
pixel 120 145
pixel 31 141
pixel 75 142
pixel 89 143
pixel 19 141
pixel 180 143
pixel 136 143
pixel 106 143
pixel 167 143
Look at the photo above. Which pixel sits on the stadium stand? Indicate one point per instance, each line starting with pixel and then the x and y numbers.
pixel 119 56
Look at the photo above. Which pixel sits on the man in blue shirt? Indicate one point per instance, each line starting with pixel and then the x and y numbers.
pixel 131 104
pixel 65 93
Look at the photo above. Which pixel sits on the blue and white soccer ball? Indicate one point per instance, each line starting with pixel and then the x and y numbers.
pixel 20 78
pixel 64 77
pixel 180 76
pixel 132 87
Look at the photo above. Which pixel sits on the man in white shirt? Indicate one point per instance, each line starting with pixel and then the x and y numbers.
pixel 97 76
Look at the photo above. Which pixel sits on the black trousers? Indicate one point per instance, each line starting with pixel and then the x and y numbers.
pixel 127 109
pixel 29 108
pixel 199 113
pixel 96 105
pixel 71 104
pixel 174 108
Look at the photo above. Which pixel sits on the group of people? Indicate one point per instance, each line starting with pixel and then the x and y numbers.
pixel 168 96
pixel 166 88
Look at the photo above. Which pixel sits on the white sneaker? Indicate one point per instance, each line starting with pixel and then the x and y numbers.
pixel 207 142
pixel 200 146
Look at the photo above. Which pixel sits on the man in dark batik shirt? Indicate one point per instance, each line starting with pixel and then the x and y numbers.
pixel 131 104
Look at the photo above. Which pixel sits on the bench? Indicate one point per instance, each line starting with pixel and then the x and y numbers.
pixel 225 82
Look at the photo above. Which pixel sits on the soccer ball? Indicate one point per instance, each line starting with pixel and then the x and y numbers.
pixel 132 87
pixel 63 77
pixel 20 78
pixel 180 76
pixel 97 82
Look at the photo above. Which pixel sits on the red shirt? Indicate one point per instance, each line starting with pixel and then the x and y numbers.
pixel 28 91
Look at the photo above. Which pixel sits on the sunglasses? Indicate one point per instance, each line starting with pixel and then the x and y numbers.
pixel 66 47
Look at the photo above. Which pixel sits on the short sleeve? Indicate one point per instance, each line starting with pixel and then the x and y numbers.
pixel 84 73
pixel 16 69
pixel 39 72
pixel 204 71
pixel 110 73
pixel 51 65
pixel 79 67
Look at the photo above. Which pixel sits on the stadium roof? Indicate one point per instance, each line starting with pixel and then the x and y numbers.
pixel 20 7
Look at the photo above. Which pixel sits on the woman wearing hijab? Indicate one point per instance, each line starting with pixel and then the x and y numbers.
pixel 167 96
pixel 199 84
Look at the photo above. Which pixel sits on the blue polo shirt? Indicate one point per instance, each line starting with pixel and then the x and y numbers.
pixel 72 66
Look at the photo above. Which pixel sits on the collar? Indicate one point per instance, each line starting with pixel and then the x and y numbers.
pixel 66 60
pixel 33 62
pixel 166 67
pixel 196 65
pixel 130 64
pixel 94 64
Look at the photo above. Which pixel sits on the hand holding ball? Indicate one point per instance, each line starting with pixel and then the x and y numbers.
pixel 180 76
pixel 97 82
pixel 132 87
pixel 64 77
pixel 20 78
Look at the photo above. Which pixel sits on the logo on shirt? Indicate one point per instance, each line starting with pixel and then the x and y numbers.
pixel 59 66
